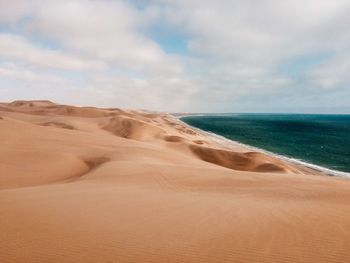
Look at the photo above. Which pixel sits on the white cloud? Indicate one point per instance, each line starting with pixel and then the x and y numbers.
pixel 14 47
pixel 108 30
pixel 13 11
pixel 91 35
pixel 331 75
pixel 243 45
pixel 157 93
pixel 236 49
pixel 19 73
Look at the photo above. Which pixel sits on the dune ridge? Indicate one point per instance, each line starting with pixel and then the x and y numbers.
pixel 84 184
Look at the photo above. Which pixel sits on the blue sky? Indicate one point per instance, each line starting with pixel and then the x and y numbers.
pixel 177 55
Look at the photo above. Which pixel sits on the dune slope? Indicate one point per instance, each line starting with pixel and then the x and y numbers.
pixel 82 184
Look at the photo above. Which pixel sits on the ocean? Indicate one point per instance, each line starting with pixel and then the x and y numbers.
pixel 322 141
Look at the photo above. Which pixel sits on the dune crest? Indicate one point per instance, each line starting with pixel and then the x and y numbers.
pixel 132 128
pixel 83 184
pixel 238 161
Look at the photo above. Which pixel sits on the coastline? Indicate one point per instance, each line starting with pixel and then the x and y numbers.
pixel 147 187
pixel 228 142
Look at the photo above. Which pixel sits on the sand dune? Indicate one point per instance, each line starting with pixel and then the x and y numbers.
pixel 82 184
pixel 132 128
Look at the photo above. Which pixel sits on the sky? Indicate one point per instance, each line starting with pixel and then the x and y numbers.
pixel 290 56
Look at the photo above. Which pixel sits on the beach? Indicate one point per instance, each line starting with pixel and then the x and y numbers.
pixel 313 140
pixel 84 184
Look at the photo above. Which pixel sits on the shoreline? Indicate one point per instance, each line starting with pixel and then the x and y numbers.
pixel 147 187
pixel 227 142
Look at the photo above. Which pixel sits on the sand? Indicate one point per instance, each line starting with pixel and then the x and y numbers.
pixel 82 184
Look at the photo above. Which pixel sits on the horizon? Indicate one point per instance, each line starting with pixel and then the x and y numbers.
pixel 179 56
pixel 188 113
pixel 185 114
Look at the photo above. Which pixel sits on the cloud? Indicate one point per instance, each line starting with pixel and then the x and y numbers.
pixel 331 75
pixel 105 38
pixel 107 30
pixel 248 47
pixel 12 11
pixel 233 52
pixel 19 73
pixel 155 93
pixel 14 47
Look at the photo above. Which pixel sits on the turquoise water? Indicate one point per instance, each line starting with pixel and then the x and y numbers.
pixel 322 140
